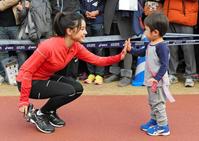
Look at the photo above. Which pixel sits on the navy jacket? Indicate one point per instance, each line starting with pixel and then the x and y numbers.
pixel 93 5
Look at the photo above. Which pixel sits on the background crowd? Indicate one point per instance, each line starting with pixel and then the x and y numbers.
pixel 104 17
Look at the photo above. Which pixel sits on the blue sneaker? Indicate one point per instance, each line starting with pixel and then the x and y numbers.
pixel 147 125
pixel 159 130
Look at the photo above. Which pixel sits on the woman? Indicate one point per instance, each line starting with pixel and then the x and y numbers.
pixel 37 79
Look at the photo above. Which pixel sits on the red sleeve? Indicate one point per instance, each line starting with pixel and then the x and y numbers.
pixel 31 65
pixel 84 54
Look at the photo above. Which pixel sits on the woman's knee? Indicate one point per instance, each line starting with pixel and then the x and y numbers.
pixel 72 90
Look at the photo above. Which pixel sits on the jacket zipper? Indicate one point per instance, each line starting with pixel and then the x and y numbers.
pixel 168 8
pixel 183 7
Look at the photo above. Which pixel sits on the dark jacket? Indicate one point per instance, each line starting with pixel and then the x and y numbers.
pixel 64 6
pixel 93 6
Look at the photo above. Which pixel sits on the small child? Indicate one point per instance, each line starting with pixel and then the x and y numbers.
pixel 156 75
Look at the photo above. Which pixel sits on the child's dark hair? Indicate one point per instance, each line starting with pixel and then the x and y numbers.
pixel 157 21
pixel 66 20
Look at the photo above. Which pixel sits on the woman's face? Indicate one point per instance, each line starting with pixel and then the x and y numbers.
pixel 79 34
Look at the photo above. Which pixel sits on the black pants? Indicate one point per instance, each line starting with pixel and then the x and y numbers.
pixel 59 89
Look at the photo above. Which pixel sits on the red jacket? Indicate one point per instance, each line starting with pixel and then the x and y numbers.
pixel 51 56
pixel 183 12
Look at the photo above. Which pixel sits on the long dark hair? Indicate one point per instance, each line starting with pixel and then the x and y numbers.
pixel 66 20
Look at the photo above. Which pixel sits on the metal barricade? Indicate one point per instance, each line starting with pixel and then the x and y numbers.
pixel 105 42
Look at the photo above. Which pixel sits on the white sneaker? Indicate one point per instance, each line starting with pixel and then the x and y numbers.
pixel 189 82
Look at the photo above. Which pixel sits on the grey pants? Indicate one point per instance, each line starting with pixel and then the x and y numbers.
pixel 188 50
pixel 127 62
pixel 96 30
pixel 157 103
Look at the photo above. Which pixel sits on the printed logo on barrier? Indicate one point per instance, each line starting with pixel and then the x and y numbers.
pixel 117 44
pixel 103 45
pixel 7 48
pixel 90 45
pixel 31 47
pixel 20 47
pixel 176 42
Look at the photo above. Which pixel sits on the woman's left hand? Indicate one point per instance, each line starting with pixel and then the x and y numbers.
pixel 128 44
pixel 124 52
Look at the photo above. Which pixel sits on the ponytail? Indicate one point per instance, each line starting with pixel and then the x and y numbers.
pixel 66 20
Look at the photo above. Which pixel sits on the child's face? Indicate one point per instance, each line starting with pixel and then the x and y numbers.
pixel 151 35
pixel 79 34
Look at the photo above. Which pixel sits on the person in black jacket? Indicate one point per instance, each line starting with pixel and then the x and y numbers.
pixel 64 6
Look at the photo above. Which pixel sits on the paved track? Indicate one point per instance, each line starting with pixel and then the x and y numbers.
pixel 103 118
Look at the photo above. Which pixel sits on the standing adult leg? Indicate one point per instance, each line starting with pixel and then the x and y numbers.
pixel 115 68
pixel 189 54
pixel 174 61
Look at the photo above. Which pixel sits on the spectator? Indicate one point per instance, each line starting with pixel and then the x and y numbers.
pixel 197 49
pixel 118 22
pixel 182 16
pixel 9 28
pixel 64 6
pixel 94 13
pixel 153 5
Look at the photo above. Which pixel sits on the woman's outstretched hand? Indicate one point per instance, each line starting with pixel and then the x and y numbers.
pixel 128 44
pixel 127 48
pixel 124 52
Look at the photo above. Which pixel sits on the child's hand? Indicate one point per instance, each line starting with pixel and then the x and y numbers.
pixel 154 84
pixel 127 44
pixel 151 80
